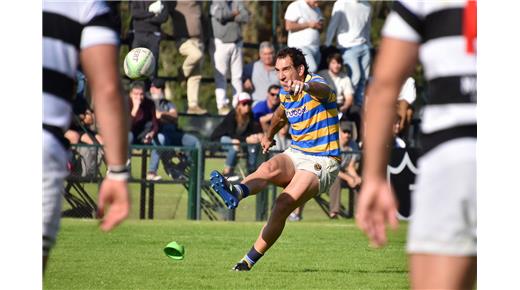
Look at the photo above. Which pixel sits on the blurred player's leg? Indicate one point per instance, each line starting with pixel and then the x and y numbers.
pixel 54 172
pixel 442 272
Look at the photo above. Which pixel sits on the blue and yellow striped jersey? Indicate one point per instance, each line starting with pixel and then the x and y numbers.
pixel 314 124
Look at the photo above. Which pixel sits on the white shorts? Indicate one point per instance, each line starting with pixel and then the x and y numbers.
pixel 326 168
pixel 53 175
pixel 444 204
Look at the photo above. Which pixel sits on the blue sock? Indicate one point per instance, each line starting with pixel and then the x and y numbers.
pixel 243 190
pixel 252 257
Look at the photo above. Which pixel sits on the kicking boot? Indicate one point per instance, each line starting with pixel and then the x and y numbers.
pixel 222 187
pixel 241 266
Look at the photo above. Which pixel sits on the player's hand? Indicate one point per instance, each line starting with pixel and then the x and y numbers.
pixel 266 144
pixel 376 208
pixel 115 195
pixel 296 87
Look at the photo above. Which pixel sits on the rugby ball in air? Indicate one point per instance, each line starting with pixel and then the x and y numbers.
pixel 139 63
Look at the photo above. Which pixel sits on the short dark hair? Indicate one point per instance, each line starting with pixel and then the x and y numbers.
pixel 158 83
pixel 335 56
pixel 137 85
pixel 273 87
pixel 296 56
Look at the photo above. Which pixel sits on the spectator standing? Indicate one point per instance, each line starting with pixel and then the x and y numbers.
pixel 144 124
pixel 97 43
pixel 442 233
pixel 187 28
pixel 340 82
pixel 263 110
pixel 226 48
pixel 147 26
pixel 169 133
pixel 350 22
pixel 260 75
pixel 304 21
pixel 238 127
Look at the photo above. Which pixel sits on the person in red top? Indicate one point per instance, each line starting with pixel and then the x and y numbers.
pixel 144 124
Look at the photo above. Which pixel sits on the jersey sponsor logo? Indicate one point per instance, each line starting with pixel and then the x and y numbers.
pixel 296 112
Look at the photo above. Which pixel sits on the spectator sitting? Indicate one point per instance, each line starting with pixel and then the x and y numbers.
pixel 263 110
pixel 260 75
pixel 147 17
pixel 348 168
pixel 405 101
pixel 339 81
pixel 396 131
pixel 237 127
pixel 144 125
pixel 169 133
pixel 82 129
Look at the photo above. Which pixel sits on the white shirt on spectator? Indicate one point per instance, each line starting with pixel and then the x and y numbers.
pixel 350 20
pixel 300 12
pixel 408 92
pixel 342 85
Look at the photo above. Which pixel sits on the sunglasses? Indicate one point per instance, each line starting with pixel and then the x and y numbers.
pixel 274 94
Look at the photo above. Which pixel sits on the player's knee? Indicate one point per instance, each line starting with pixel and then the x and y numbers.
pixel 285 204
pixel 268 170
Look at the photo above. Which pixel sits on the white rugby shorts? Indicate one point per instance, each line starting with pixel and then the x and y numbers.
pixel 325 168
pixel 444 204
pixel 54 172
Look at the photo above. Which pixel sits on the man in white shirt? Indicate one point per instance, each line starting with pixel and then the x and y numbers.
pixel 350 22
pixel 303 20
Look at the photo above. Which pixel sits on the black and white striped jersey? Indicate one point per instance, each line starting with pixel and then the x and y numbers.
pixel 447 34
pixel 68 27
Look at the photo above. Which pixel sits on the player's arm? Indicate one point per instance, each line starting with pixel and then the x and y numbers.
pixel 278 120
pixel 100 64
pixel 294 26
pixel 394 63
pixel 320 90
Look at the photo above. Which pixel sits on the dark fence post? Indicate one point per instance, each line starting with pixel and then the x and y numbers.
pixel 192 186
pixel 143 185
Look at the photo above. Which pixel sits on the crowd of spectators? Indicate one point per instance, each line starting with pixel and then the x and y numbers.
pixel 345 64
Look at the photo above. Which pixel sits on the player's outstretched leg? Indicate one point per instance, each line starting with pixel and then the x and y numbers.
pixel 231 194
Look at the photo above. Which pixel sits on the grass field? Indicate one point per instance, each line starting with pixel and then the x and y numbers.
pixel 316 253
pixel 309 255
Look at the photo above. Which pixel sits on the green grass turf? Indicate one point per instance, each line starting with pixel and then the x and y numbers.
pixel 316 253
pixel 308 255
